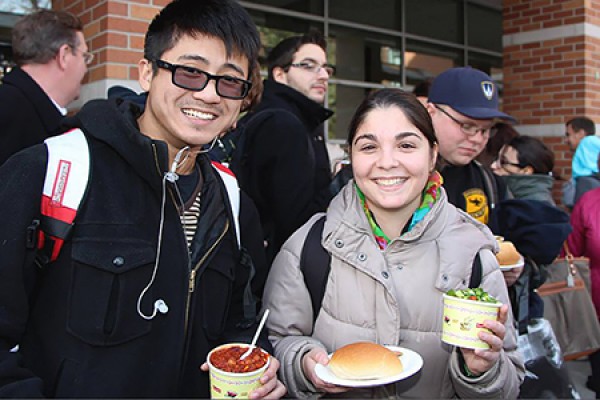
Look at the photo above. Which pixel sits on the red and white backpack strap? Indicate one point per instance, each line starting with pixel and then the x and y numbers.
pixel 233 192
pixel 67 175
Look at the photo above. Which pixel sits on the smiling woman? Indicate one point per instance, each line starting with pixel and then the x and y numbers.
pixel 391 235
pixel 393 152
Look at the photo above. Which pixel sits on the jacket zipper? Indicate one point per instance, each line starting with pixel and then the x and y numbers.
pixel 193 271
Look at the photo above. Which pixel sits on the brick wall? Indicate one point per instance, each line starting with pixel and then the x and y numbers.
pixel 551 68
pixel 114 31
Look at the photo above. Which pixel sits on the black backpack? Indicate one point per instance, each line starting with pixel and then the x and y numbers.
pixel 232 148
pixel 315 265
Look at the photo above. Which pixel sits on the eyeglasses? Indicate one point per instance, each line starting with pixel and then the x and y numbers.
pixel 470 129
pixel 314 67
pixel 196 80
pixel 502 162
pixel 87 56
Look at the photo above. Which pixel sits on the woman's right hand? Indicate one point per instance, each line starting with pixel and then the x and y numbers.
pixel 310 361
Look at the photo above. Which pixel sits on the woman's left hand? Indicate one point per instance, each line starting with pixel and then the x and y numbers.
pixel 479 360
pixel 271 388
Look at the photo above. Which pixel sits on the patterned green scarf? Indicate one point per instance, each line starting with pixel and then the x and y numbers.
pixel 430 195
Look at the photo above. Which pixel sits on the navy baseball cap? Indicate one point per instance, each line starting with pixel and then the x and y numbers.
pixel 469 91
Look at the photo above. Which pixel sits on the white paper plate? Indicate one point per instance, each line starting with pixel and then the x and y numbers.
pixel 509 267
pixel 412 362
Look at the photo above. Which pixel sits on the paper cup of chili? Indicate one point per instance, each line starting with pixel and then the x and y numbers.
pixel 231 377
pixel 464 314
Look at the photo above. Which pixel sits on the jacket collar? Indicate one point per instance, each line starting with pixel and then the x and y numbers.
pixel 346 209
pixel 535 187
pixel 277 95
pixel 347 224
pixel 114 122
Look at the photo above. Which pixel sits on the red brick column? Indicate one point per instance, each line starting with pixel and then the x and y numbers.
pixel 551 68
pixel 114 31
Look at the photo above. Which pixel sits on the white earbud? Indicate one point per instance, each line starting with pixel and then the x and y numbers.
pixel 161 306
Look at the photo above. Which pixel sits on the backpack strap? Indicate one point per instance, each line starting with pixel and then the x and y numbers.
pixel 315 265
pixel 476 272
pixel 235 141
pixel 490 184
pixel 233 193
pixel 67 176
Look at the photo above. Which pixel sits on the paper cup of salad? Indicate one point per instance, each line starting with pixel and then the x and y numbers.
pixel 231 377
pixel 464 313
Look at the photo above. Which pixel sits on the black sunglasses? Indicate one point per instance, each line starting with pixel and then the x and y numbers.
pixel 195 79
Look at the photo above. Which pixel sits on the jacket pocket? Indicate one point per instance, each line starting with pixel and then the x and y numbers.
pixel 107 280
pixel 217 286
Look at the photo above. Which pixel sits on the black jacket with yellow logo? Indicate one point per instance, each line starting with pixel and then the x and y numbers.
pixel 474 189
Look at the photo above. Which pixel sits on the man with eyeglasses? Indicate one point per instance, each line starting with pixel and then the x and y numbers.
pixel 52 58
pixel 283 164
pixel 156 270
pixel 463 104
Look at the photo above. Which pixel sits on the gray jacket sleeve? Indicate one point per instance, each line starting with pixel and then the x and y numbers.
pixel 505 377
pixel 290 322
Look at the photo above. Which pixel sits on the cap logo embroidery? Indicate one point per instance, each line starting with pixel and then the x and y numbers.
pixel 488 89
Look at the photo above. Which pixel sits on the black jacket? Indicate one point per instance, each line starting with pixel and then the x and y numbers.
pixel 76 320
pixel 475 189
pixel 287 169
pixel 27 115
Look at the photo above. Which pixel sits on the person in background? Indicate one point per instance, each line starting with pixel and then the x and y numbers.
pixel 525 164
pixel 576 129
pixel 580 136
pixel 52 58
pixel 285 167
pixel 154 273
pixel 585 241
pixel 504 134
pixel 392 237
pixel 463 103
pixel 584 169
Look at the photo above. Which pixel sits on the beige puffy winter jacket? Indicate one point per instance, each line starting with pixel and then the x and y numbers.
pixel 389 297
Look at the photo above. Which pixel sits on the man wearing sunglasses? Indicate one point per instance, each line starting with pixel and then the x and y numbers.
pixel 463 104
pixel 155 271
pixel 52 59
pixel 284 165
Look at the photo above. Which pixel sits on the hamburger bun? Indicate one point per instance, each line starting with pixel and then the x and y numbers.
pixel 365 360
pixel 508 254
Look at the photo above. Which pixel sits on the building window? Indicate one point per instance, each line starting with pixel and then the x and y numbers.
pixel 380 13
pixel 386 43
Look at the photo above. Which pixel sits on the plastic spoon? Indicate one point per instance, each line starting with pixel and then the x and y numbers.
pixel 255 338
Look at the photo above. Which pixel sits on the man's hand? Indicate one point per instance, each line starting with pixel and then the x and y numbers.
pixel 479 360
pixel 271 387
pixel 309 362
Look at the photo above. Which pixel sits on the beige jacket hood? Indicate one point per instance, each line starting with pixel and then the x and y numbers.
pixel 389 297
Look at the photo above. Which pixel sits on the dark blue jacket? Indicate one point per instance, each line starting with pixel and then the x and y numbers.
pixel 537 229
